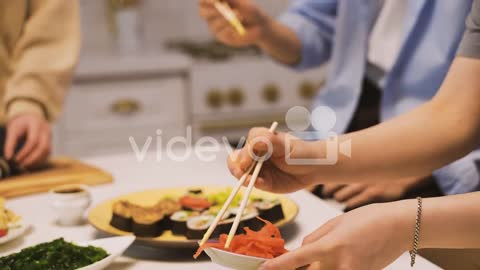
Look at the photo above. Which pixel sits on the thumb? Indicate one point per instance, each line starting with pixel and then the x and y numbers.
pixel 292 260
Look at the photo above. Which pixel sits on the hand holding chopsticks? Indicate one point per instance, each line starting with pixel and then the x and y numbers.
pixel 236 222
pixel 230 16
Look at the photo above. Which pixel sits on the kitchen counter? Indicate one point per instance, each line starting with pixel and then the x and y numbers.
pixel 131 175
pixel 116 66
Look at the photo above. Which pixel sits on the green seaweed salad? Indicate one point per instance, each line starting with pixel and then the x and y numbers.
pixel 55 255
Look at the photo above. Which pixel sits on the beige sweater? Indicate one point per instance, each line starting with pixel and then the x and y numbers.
pixel 39 47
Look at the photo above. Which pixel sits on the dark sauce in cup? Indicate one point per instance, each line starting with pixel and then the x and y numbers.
pixel 69 190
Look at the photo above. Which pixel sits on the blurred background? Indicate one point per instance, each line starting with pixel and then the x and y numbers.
pixel 149 65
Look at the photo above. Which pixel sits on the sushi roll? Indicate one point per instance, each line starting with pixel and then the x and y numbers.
pixel 122 216
pixel 191 202
pixel 224 224
pixel 270 210
pixel 249 219
pixel 214 210
pixel 178 221
pixel 168 207
pixel 198 226
pixel 147 223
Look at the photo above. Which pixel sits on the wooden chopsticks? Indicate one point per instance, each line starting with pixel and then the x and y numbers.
pixel 230 16
pixel 243 205
pixel 227 203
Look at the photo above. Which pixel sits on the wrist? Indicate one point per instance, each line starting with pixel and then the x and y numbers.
pixel 404 220
pixel 21 106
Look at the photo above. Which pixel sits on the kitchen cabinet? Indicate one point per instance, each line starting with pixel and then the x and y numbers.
pixel 230 97
pixel 112 102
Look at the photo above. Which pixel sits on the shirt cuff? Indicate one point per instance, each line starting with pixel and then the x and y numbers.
pixel 20 106
pixel 315 49
pixel 459 177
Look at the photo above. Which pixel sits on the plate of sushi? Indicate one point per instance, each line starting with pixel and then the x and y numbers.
pixel 12 225
pixel 179 217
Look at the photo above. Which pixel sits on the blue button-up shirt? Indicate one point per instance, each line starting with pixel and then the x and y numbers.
pixel 337 32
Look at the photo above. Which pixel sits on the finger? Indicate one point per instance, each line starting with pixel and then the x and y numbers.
pixel 361 199
pixel 206 3
pixel 259 139
pixel 235 3
pixel 348 192
pixel 330 189
pixel 14 132
pixel 227 36
pixel 209 13
pixel 261 142
pixel 260 183
pixel 320 232
pixel 245 160
pixel 300 257
pixel 264 184
pixel 31 141
pixel 234 164
pixel 218 25
pixel 40 153
pixel 249 38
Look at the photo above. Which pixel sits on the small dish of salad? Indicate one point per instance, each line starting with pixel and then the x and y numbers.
pixel 64 255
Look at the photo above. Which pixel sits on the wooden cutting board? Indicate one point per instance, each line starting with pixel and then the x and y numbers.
pixel 60 171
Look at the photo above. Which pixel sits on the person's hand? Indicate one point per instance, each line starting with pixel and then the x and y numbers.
pixel 38 139
pixel 253 18
pixel 359 194
pixel 368 238
pixel 276 174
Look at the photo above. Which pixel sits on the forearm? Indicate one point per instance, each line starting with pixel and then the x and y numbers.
pixel 451 222
pixel 446 222
pixel 280 43
pixel 418 142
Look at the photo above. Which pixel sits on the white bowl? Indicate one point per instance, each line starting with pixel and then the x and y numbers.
pixel 115 246
pixel 233 260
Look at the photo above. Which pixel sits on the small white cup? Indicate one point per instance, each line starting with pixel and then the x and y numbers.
pixel 70 203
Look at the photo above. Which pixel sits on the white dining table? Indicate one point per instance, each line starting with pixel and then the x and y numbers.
pixel 158 171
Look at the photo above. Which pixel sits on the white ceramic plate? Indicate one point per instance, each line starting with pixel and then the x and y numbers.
pixel 234 261
pixel 115 246
pixel 16 231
